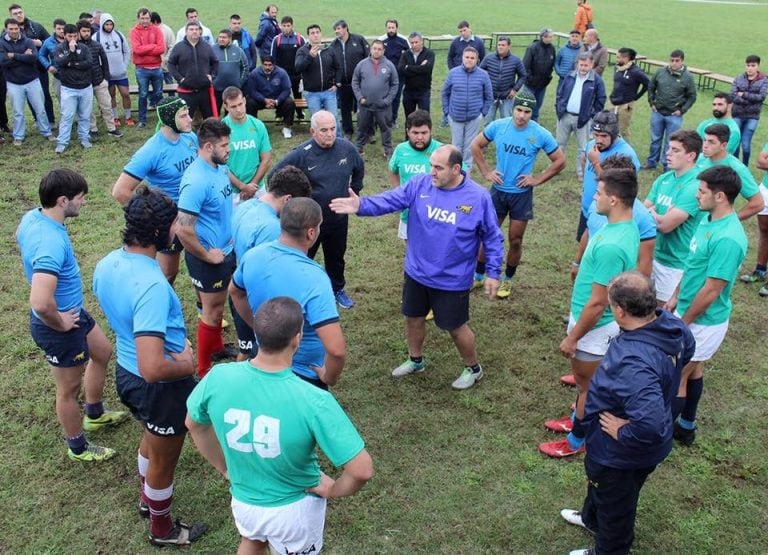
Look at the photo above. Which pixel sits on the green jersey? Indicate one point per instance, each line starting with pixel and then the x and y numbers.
pixel 671 191
pixel 406 162
pixel 734 140
pixel 717 250
pixel 611 251
pixel 749 186
pixel 248 141
pixel 765 175
pixel 268 425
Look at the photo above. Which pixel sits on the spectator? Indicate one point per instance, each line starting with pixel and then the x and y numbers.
pixel 748 92
pixel 539 61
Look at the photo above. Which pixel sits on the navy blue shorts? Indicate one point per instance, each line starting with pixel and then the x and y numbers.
pixel 245 338
pixel 120 82
pixel 518 206
pixel 161 406
pixel 63 349
pixel 451 308
pixel 210 278
pixel 175 247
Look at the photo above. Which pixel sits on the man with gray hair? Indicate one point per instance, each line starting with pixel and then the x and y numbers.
pixel 595 48
pixel 580 95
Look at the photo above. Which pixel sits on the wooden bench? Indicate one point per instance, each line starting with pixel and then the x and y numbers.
pixel 700 75
pixel 712 79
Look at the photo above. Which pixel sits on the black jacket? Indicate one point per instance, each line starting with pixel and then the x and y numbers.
pixel 191 65
pixel 321 72
pixel 628 85
pixel 350 54
pixel 22 68
pixel 74 66
pixel 539 61
pixel 415 74
pixel 100 69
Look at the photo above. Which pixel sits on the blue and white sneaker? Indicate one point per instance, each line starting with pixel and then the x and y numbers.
pixel 343 299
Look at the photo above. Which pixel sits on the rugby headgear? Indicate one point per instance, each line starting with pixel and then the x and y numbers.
pixel 167 110
pixel 606 122
pixel 525 99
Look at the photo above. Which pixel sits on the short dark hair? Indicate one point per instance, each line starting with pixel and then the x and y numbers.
pixel 276 323
pixel 617 162
pixel 377 41
pixel 470 49
pixel 417 118
pixel 61 182
pixel 83 24
pixel 154 17
pixel 720 131
pixel 725 96
pixel 84 15
pixel 287 19
pixel 630 53
pixel 211 130
pixel 14 7
pixel 267 58
pixel 752 59
pixel 59 21
pixel 341 23
pixel 289 180
pixel 634 293
pixel 10 21
pixel 313 26
pixel 504 39
pixel 149 215
pixel 677 53
pixel 226 32
pixel 392 21
pixel 189 11
pixel 230 93
pixel 234 16
pixel 142 11
pixel 70 28
pixel 463 23
pixel 298 215
pixel 690 140
pixel 722 179
pixel 620 183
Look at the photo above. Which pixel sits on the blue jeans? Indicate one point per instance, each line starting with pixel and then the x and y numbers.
pixel 19 95
pixel 80 102
pixel 504 108
pixel 538 94
pixel 145 77
pixel 661 127
pixel 747 128
pixel 325 100
pixel 462 135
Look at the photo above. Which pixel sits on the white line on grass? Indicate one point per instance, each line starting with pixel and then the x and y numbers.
pixel 725 2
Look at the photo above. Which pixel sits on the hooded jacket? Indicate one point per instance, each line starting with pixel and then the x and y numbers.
pixel 749 105
pixel 539 61
pixel 148 46
pixel 318 73
pixel 190 65
pixel 116 47
pixel 268 30
pixel 582 18
pixel 669 90
pixel 637 380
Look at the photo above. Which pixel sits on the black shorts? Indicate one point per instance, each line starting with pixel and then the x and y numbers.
pixel 160 406
pixel 210 278
pixel 451 308
pixel 63 349
pixel 245 338
pixel 317 382
pixel 582 226
pixel 174 248
pixel 518 206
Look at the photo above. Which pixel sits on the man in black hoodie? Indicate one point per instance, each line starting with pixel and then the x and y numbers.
pixel 539 62
pixel 99 73
pixel 193 64
pixel 74 62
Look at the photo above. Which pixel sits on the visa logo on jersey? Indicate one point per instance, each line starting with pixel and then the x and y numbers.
pixel 440 215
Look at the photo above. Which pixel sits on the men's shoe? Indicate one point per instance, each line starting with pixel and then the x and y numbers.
pixel 387 154
pixel 763 292
pixel 129 122
pixel 753 277
pixel 287 133
pixel 409 367
pixel 588 551
pixel 86 145
pixel 478 281
pixel 559 449
pixel 682 435
pixel 505 289
pixel 372 139
pixel 647 167
pixel 180 534
pixel 568 380
pixel 117 122
pixel 115 133
pixel 299 115
pixel 467 379
pixel 60 149
pixel 109 418
pixel 17 142
pixel 574 517
pixel 2 140
pixel 142 124
pixel 94 133
pixel 5 128
pixel 92 453
pixel 343 299
pixel 229 353
pixel 51 139
pixel 143 509
pixel 561 425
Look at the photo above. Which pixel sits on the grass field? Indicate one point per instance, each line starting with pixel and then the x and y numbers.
pixel 456 473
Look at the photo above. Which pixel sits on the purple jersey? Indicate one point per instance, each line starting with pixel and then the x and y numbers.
pixel 445 230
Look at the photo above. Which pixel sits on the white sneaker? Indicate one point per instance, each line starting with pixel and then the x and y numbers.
pixel 589 551
pixel 574 517
pixel 467 379
pixel 287 132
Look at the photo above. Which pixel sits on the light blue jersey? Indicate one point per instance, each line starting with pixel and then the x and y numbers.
pixel 255 222
pixel 161 162
pixel 205 193
pixel 619 146
pixel 646 225
pixel 516 150
pixel 45 247
pixel 138 301
pixel 274 270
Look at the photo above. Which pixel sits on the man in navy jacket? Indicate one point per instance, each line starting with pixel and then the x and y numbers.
pixel 628 415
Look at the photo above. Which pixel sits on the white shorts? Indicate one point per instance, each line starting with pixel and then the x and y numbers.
pixel 666 280
pixel 402 230
pixel 596 341
pixel 293 528
pixel 708 340
pixel 764 191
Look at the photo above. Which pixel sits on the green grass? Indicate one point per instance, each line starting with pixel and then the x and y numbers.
pixel 456 473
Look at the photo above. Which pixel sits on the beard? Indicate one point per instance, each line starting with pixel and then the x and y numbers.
pixel 718 114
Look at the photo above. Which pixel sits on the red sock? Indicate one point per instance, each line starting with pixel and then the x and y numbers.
pixel 209 341
pixel 159 501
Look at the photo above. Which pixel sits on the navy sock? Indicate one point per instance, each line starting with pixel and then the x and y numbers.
pixel 480 267
pixel 761 268
pixel 417 360
pixel 678 404
pixel 693 395
pixel 78 443
pixel 475 368
pixel 509 273
pixel 94 410
pixel 578 428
